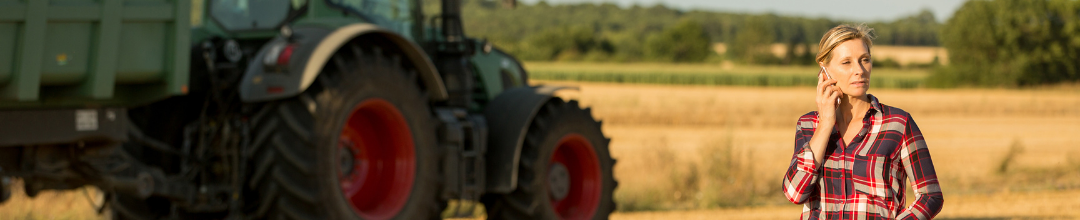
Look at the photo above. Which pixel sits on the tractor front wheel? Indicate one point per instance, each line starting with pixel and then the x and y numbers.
pixel 565 170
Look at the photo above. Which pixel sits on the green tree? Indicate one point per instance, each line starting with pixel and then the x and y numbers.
pixel 1011 43
pixel 751 44
pixel 684 42
pixel 919 29
pixel 567 43
pixel 626 29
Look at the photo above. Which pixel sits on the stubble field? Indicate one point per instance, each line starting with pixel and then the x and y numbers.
pixel 709 152
pixel 699 152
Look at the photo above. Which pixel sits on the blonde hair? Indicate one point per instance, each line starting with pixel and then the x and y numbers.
pixel 839 34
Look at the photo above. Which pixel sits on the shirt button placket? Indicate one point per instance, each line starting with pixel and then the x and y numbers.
pixel 843 177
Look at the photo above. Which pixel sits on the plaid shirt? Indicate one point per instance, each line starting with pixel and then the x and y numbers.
pixel 864 179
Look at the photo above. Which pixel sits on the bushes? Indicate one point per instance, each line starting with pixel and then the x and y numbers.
pixel 1011 43
pixel 684 42
pixel 629 30
pixel 567 43
pixel 751 43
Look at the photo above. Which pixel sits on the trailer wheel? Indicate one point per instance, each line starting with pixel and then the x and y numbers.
pixel 359 144
pixel 565 170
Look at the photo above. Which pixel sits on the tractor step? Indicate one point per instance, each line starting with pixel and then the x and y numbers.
pixel 464 138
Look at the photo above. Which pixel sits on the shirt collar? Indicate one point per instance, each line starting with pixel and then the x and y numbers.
pixel 874 104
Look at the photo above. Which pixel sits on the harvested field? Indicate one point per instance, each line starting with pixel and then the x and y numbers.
pixel 724 149
pixel 1032 205
pixel 78 204
pixel 707 152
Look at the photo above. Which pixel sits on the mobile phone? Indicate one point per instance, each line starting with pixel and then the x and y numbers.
pixel 830 77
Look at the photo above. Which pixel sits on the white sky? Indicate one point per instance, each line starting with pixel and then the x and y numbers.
pixel 857 10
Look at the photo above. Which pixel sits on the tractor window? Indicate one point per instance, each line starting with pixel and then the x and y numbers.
pixel 252 14
pixel 379 10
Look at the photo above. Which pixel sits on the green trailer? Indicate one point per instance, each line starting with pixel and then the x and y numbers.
pixel 286 109
pixel 81 53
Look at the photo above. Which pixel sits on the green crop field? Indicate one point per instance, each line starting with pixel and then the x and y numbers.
pixel 708 74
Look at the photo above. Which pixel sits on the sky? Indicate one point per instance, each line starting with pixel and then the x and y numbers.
pixel 856 10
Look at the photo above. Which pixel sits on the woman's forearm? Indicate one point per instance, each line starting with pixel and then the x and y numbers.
pixel 920 171
pixel 801 179
pixel 820 140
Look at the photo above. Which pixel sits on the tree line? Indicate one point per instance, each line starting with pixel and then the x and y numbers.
pixel 608 33
pixel 990 42
pixel 1011 43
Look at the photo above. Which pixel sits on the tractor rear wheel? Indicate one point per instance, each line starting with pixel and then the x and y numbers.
pixel 565 170
pixel 358 144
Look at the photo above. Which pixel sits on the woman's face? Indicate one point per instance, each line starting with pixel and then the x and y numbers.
pixel 850 66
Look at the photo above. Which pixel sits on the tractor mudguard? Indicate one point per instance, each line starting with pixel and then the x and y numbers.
pixel 508 118
pixel 314 45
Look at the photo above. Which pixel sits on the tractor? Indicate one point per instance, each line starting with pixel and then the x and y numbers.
pixel 286 109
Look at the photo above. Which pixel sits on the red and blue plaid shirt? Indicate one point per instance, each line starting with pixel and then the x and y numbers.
pixel 864 179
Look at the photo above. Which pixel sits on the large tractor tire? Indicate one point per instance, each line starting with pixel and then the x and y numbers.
pixel 565 170
pixel 358 144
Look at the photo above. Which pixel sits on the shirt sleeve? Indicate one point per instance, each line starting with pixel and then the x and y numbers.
pixel 800 182
pixel 920 171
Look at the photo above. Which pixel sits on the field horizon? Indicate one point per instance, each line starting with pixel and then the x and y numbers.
pixel 713 74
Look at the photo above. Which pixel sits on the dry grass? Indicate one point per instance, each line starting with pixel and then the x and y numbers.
pixel 906 55
pixel 720 151
pixel 70 205
pixel 1032 205
pixel 662 136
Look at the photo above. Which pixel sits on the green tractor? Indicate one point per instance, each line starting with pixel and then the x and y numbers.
pixel 286 109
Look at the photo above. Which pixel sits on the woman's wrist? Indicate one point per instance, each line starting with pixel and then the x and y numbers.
pixel 826 121
pixel 825 126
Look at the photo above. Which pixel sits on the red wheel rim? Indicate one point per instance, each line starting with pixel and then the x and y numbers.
pixel 576 154
pixel 378 161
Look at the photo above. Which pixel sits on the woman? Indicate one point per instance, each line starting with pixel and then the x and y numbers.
pixel 854 154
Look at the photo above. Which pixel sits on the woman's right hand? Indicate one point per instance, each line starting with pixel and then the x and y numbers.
pixel 827 96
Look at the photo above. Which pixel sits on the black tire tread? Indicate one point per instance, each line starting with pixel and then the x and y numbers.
pixel 283 167
pixel 291 155
pixel 272 156
pixel 525 202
